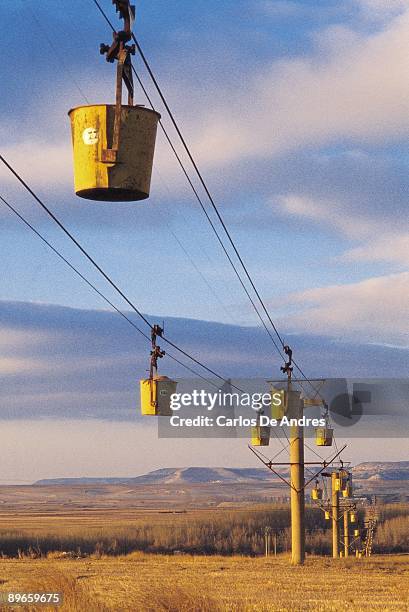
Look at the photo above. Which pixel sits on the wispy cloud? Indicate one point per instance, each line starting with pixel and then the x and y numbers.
pixel 356 91
pixel 331 214
pixel 385 247
pixel 373 310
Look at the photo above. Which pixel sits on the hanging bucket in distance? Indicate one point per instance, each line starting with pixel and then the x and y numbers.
pixel 316 493
pixel 347 492
pixel 278 403
pixel 260 435
pixel 100 172
pixel 155 396
pixel 323 436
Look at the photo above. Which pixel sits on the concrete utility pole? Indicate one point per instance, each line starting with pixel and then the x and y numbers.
pixel 295 411
pixel 346 533
pixel 335 515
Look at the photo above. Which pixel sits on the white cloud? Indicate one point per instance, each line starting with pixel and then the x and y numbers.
pixel 357 90
pixel 39 163
pixel 17 339
pixel 373 310
pixel 387 247
pixel 379 239
pixel 10 366
pixel 330 213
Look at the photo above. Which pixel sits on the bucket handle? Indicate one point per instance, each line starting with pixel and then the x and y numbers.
pixel 123 72
pixel 121 52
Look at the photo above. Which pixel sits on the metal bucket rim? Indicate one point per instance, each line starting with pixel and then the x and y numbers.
pixel 138 107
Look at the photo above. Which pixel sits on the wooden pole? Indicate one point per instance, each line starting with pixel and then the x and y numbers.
pixel 335 515
pixel 346 533
pixel 267 541
pixel 295 410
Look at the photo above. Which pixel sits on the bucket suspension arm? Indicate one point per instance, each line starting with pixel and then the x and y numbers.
pixel 120 51
pixel 156 353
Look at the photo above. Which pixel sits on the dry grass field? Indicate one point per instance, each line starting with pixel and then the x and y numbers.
pixel 141 582
pixel 122 559
pixel 212 531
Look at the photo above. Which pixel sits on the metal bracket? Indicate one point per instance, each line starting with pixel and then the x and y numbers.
pixel 287 368
pixel 121 52
pixel 156 353
pixel 270 464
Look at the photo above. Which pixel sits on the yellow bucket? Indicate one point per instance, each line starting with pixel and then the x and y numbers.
pixel 260 435
pixel 278 403
pixel 129 177
pixel 316 493
pixel 323 436
pixel 347 492
pixel 155 396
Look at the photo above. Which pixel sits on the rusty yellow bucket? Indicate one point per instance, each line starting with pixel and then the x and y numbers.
pixel 260 435
pixel 316 493
pixel 108 166
pixel 156 396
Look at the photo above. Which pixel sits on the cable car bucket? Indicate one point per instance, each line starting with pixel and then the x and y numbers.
pixel 114 144
pixel 316 492
pixel 260 434
pixel 324 435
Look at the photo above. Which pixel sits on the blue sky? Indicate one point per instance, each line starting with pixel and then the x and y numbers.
pixel 297 113
pixel 305 192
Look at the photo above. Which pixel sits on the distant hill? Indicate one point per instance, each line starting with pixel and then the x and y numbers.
pixel 385 471
pixel 189 475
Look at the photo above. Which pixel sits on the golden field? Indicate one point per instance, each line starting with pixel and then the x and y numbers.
pixel 213 531
pixel 187 558
pixel 142 582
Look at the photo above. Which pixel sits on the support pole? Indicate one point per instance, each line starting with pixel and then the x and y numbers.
pixel 335 515
pixel 346 533
pixel 295 410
